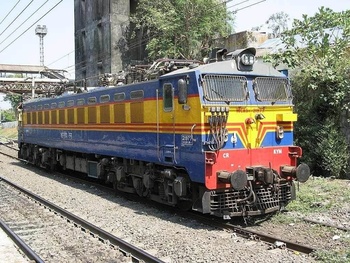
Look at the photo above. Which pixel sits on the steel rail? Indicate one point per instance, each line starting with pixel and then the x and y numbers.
pixel 249 233
pixel 128 249
pixel 326 224
pixel 4 144
pixel 243 231
pixel 13 157
pixel 20 243
pixel 273 240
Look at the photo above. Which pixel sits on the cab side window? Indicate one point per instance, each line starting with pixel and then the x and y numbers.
pixel 168 97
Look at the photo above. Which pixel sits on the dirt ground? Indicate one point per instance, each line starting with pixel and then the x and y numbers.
pixel 320 199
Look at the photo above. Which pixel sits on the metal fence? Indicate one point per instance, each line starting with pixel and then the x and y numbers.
pixel 11 124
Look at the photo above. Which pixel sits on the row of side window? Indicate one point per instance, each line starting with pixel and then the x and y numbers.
pixel 103 114
pixel 61 113
pixel 118 97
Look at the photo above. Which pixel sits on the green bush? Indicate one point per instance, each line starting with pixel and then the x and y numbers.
pixel 331 151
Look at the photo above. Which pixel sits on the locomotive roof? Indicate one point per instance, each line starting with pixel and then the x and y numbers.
pixel 229 67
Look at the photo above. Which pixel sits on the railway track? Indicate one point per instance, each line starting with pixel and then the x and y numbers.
pixel 56 234
pixel 7 146
pixel 326 224
pixel 273 241
pixel 14 150
pixel 31 255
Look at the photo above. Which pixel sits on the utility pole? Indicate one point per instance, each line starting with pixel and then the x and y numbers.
pixel 41 31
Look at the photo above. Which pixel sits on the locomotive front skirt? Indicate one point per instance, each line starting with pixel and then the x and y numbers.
pixel 216 138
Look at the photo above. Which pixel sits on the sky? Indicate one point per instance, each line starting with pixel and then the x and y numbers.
pixel 256 15
pixel 59 41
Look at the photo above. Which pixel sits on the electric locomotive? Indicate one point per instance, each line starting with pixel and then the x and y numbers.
pixel 215 138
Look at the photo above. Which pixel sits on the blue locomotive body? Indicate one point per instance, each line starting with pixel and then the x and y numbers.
pixel 217 138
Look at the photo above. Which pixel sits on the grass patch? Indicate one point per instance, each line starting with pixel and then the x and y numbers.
pixel 332 256
pixel 319 195
pixel 284 218
pixel 9 133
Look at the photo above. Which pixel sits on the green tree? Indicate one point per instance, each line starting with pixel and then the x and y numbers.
pixel 8 115
pixel 317 48
pixel 14 99
pixel 278 23
pixel 181 28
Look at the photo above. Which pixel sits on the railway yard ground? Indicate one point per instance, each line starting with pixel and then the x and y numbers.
pixel 8 134
pixel 176 239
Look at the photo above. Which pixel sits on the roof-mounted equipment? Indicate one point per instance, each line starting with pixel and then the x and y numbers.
pixel 244 58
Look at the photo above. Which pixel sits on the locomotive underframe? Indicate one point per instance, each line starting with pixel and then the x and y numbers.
pixel 247 202
pixel 165 184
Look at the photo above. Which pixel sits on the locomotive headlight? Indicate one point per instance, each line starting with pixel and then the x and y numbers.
pixel 248 59
pixel 279 132
pixel 244 58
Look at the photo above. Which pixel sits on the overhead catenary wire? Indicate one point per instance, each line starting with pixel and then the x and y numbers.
pixel 16 17
pixel 10 11
pixel 242 2
pixel 132 45
pixel 31 26
pixel 24 22
pixel 235 11
pixel 81 47
pixel 60 57
pixel 106 54
pixel 137 43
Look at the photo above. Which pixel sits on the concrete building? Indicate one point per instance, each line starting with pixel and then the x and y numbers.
pixel 102 44
pixel 242 40
pixel 101 33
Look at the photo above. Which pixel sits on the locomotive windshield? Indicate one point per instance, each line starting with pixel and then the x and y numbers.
pixel 271 89
pixel 225 88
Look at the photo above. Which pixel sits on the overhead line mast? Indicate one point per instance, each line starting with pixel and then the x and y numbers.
pixel 41 31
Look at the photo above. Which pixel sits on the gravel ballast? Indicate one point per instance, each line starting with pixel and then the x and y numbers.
pixel 166 235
